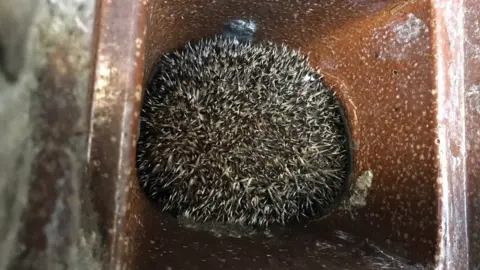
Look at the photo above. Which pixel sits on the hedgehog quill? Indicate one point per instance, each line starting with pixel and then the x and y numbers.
pixel 239 132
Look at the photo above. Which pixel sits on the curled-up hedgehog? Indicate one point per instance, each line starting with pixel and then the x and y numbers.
pixel 241 132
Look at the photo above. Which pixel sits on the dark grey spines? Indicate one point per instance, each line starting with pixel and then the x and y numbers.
pixel 240 133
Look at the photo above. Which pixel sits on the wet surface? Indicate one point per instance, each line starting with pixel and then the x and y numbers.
pixel 301 247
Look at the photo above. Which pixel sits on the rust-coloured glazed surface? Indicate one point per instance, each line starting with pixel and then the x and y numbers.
pixel 412 97
pixel 381 68
pixel 117 76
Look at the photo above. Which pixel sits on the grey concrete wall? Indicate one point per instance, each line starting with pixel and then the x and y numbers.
pixel 32 32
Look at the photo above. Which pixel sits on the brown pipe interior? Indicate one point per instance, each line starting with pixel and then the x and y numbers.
pixel 386 86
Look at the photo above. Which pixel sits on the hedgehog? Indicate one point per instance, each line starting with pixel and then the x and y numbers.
pixel 241 132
